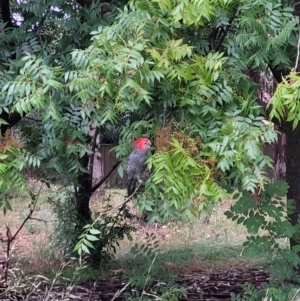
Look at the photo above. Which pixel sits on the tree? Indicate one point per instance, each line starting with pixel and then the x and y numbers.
pixel 179 67
pixel 50 31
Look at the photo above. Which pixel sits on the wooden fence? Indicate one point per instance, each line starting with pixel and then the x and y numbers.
pixel 109 159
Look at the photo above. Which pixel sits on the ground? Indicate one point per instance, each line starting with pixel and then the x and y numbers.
pixel 204 257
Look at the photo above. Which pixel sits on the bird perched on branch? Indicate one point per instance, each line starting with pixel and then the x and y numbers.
pixel 136 164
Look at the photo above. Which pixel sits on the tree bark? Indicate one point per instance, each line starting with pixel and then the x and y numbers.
pixel 280 158
pixel 293 174
pixel 83 194
pixel 97 171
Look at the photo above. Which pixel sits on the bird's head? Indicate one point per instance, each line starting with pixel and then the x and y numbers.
pixel 142 144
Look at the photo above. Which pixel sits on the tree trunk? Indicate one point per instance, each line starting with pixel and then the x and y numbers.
pixel 83 194
pixel 293 174
pixel 85 180
pixel 98 172
pixel 280 158
pixel 96 162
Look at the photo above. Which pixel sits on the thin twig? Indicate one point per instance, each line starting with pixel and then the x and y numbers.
pixel 298 48
pixel 147 279
pixel 39 219
pixel 11 238
pixel 119 292
pixel 121 206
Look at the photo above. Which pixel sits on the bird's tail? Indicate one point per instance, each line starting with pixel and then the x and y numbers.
pixel 131 184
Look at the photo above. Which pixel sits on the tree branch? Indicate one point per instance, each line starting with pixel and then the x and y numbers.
pixel 93 189
pixel 219 34
pixel 224 34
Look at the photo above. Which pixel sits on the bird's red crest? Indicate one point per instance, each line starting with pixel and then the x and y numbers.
pixel 142 144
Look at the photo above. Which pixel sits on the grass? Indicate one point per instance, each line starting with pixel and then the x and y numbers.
pixel 214 245
pixel 184 248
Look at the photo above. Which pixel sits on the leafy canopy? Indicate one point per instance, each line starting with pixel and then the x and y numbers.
pixel 158 61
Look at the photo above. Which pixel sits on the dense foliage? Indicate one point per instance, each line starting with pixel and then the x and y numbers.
pixel 178 72
pixel 154 59
pixel 269 227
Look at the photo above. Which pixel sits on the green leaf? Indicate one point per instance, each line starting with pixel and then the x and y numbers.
pixel 91 237
pixel 229 214
pixel 94 231
pixel 85 249
pixel 88 243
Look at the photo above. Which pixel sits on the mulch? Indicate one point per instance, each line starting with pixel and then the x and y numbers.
pixel 198 286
